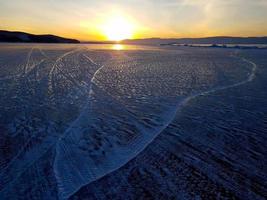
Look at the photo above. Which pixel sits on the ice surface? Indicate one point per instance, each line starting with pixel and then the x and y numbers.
pixel 75 117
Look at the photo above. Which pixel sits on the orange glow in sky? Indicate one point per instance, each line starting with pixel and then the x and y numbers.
pixel 127 19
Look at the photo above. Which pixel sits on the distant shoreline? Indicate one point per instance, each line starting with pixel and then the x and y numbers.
pixel 222 46
pixel 22 37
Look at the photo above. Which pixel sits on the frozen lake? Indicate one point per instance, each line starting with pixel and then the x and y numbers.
pixel 132 122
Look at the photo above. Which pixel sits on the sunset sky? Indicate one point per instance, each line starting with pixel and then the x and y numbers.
pixel 99 20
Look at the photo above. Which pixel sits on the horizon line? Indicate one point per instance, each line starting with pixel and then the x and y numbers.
pixel 142 38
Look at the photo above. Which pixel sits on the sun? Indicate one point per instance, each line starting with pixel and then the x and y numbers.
pixel 118 28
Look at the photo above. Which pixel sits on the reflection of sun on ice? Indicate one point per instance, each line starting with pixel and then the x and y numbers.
pixel 118 28
pixel 117 47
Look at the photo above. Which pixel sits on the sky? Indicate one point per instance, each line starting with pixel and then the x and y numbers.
pixel 94 20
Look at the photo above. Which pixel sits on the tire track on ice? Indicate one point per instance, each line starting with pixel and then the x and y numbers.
pixel 184 102
pixel 37 64
pixel 15 166
pixel 24 146
pixel 73 125
pixel 27 62
pixel 25 70
pixel 51 84
pixel 82 85
pixel 69 184
pixel 86 104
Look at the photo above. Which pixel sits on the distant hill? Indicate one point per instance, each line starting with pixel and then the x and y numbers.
pixel 8 36
pixel 207 40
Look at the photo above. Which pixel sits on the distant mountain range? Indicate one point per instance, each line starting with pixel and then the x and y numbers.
pixel 8 36
pixel 207 40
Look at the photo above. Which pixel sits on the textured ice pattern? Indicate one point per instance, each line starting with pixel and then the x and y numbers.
pixel 147 123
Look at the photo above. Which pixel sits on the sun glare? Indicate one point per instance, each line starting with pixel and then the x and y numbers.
pixel 118 28
pixel 117 47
